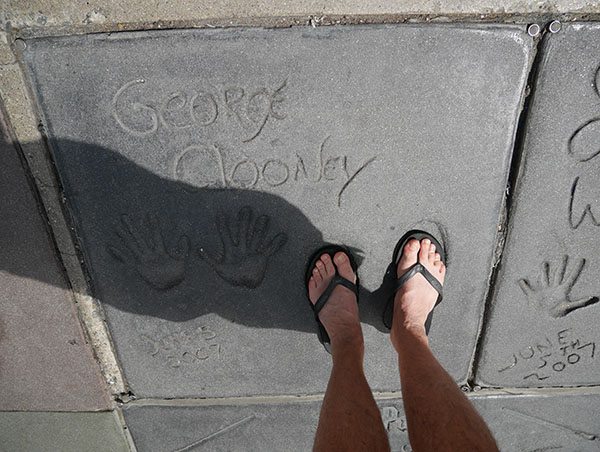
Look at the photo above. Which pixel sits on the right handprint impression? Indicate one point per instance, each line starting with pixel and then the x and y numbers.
pixel 246 249
pixel 552 294
pixel 142 248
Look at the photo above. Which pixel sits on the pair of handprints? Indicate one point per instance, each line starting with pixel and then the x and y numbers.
pixel 247 249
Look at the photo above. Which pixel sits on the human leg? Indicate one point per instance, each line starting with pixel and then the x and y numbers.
pixel 439 416
pixel 349 419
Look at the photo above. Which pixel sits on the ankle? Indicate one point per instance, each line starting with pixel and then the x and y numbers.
pixel 405 333
pixel 348 345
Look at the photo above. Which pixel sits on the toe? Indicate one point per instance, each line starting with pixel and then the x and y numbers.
pixel 424 251
pixel 320 266
pixel 409 255
pixel 329 268
pixel 317 276
pixel 432 249
pixel 344 267
pixel 437 257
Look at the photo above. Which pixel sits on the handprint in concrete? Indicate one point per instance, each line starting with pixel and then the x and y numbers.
pixel 553 292
pixel 143 249
pixel 246 248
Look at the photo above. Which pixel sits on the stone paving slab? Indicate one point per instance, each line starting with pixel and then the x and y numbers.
pixel 77 432
pixel 543 328
pixel 45 363
pixel 117 14
pixel 519 423
pixel 203 167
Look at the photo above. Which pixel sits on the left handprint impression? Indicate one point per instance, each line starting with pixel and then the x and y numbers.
pixel 142 248
pixel 246 248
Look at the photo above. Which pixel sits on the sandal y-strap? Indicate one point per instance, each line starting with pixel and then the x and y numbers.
pixel 388 313
pixel 337 280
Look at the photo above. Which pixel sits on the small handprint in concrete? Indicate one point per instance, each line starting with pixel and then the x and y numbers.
pixel 143 249
pixel 246 248
pixel 552 293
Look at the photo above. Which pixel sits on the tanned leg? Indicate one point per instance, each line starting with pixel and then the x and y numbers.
pixel 350 419
pixel 438 414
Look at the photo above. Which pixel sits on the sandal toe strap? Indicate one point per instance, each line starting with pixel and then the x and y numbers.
pixel 419 268
pixel 324 298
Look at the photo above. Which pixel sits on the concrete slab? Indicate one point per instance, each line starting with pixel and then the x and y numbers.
pixel 45 362
pixel 543 328
pixel 61 431
pixel 519 423
pixel 536 423
pixel 203 168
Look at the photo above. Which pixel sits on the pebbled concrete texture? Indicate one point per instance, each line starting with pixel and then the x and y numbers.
pixel 45 362
pixel 519 423
pixel 77 432
pixel 160 156
pixel 543 327
pixel 96 15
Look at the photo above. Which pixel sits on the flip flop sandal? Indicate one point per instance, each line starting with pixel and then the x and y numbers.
pixel 388 313
pixel 336 280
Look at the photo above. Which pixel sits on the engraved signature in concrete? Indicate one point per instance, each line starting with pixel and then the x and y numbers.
pixel 550 356
pixel 199 107
pixel 552 294
pixel 576 220
pixel 395 424
pixel 246 248
pixel 185 347
pixel 252 111
pixel 211 166
pixel 141 246
pixel 583 146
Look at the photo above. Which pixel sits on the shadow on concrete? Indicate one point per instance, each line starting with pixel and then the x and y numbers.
pixel 163 248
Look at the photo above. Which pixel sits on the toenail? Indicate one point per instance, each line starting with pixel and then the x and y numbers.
pixel 426 242
pixel 340 257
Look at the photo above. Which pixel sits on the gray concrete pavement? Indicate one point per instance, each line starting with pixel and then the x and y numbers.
pixel 45 361
pixel 519 423
pixel 239 126
pixel 200 168
pixel 543 328
pixel 39 431
pixel 50 16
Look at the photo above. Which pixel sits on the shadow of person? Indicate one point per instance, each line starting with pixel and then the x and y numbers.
pixel 163 248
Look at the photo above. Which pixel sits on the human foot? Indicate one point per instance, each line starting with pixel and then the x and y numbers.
pixel 416 298
pixel 339 315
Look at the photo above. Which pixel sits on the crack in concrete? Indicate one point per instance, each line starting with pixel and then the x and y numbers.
pixel 504 223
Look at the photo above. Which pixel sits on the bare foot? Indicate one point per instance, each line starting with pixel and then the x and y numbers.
pixel 339 316
pixel 416 298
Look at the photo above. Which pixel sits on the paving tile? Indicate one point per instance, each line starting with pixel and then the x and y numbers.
pixel 342 134
pixel 519 423
pixel 543 327
pixel 540 423
pixel 77 432
pixel 45 362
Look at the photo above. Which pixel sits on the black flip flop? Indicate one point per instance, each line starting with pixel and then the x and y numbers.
pixel 337 280
pixel 388 313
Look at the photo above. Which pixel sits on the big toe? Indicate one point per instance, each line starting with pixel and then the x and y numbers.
pixel 344 267
pixel 409 255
